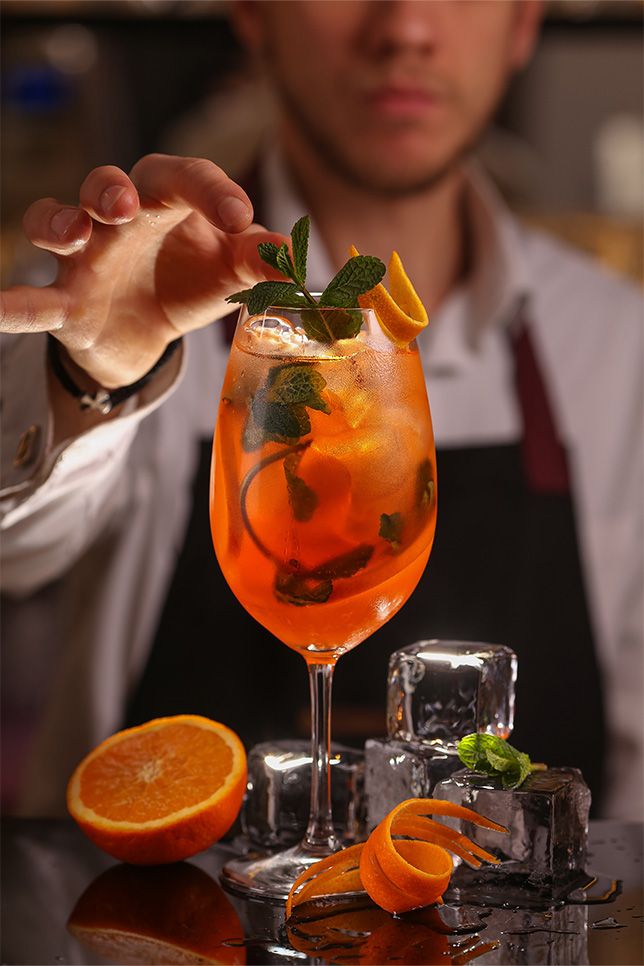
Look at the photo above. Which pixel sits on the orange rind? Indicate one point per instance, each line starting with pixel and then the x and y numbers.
pixel 403 873
pixel 400 312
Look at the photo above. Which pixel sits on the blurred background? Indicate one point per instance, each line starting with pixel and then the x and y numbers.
pixel 88 82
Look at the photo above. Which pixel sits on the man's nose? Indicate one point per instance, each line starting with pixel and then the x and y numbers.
pixel 396 25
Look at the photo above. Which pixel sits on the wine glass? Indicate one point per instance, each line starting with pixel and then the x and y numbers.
pixel 322 509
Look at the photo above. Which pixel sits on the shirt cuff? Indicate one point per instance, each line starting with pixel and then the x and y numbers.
pixel 28 457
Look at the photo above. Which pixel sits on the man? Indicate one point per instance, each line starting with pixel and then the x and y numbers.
pixel 533 361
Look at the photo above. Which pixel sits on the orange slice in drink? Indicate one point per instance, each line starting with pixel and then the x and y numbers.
pixel 161 791
pixel 401 314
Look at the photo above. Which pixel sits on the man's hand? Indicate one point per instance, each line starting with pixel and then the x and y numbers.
pixel 142 260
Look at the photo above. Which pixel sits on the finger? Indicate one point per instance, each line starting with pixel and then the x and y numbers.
pixel 25 308
pixel 109 196
pixel 194 183
pixel 57 228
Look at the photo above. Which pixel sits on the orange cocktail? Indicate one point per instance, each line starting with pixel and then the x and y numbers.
pixel 324 484
pixel 322 508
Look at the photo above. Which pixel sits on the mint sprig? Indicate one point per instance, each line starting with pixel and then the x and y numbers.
pixel 493 756
pixel 278 410
pixel 360 274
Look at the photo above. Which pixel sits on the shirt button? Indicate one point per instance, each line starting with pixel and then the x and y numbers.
pixel 27 446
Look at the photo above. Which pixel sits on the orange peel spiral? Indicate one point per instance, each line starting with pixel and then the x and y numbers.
pixel 400 312
pixel 402 873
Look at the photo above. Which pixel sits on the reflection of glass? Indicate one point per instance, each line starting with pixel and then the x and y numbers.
pixel 323 509
pixel 161 914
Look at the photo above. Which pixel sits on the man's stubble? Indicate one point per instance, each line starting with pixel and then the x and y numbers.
pixel 364 175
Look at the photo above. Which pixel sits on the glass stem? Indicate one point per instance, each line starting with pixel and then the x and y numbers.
pixel 320 836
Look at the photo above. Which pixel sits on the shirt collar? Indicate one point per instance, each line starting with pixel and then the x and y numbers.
pixel 283 206
pixel 497 286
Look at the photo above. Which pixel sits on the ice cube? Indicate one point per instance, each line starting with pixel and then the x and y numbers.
pixel 276 805
pixel 396 770
pixel 266 325
pixel 269 332
pixel 440 691
pixel 543 856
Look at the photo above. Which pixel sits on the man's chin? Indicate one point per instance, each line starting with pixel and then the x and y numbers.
pixel 399 179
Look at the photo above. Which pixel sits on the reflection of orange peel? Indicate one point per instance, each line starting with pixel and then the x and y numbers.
pixel 403 873
pixel 354 930
pixel 401 314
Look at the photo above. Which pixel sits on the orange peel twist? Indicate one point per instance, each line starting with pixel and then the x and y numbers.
pixel 401 314
pixel 401 873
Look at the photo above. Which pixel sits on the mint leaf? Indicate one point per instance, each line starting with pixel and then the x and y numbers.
pixel 278 411
pixel 276 422
pixel 316 326
pixel 300 243
pixel 495 757
pixel 268 253
pixel 303 499
pixel 285 263
pixel 391 528
pixel 500 763
pixel 264 294
pixel 295 383
pixel 280 259
pixel 330 325
pixel 360 274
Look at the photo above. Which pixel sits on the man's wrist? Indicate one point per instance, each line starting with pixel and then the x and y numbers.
pixel 89 394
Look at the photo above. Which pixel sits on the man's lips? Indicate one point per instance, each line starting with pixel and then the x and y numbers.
pixel 396 101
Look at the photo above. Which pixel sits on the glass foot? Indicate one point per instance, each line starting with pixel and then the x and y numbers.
pixel 268 876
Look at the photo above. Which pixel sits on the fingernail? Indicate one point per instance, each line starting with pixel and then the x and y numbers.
pixel 110 197
pixel 63 221
pixel 231 211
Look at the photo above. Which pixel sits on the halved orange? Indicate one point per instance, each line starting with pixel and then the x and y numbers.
pixel 401 314
pixel 172 914
pixel 161 791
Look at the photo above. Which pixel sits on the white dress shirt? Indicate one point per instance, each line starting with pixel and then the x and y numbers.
pixel 91 531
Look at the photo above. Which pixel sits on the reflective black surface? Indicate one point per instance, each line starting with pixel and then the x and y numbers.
pixel 63 902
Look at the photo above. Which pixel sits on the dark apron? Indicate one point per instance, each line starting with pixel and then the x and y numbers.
pixel 504 569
